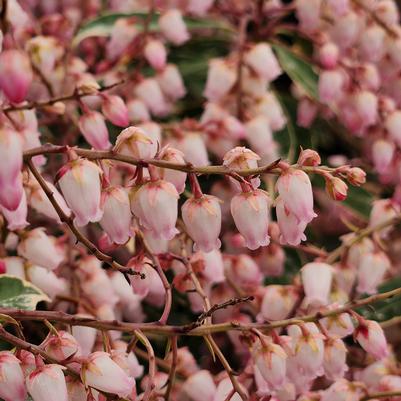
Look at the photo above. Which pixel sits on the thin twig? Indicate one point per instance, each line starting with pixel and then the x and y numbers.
pixel 173 368
pixel 76 95
pixel 383 394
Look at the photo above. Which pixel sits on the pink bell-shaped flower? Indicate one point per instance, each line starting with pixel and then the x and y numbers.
pixel 102 373
pixel 200 386
pixel 316 280
pixel 382 153
pixel 80 184
pixel 371 337
pixel 10 167
pixel 156 206
pixel 47 281
pixel 177 178
pixel 116 220
pixel 40 249
pixel 250 211
pixel 171 82
pixel 12 382
pixel 291 230
pixel 173 27
pixel 371 271
pixel 47 383
pixel 202 218
pixel 295 190
pixel 270 359
pixel 262 60
pixel 278 302
pixel 135 142
pixel 16 219
pixel 334 363
pixel 115 110
pixel 60 346
pixel 15 75
pixel 155 54
pixel 220 79
pixel 94 129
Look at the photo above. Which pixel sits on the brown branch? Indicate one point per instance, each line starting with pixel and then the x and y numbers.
pixel 76 95
pixel 152 364
pixel 169 330
pixel 271 168
pixel 68 220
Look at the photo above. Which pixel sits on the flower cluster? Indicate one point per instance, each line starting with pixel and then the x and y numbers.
pixel 150 193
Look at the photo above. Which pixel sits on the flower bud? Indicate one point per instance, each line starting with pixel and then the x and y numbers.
pixel 220 79
pixel 270 359
pixel 115 110
pixel 12 383
pixel 173 27
pixel 102 373
pixel 156 206
pixel 278 302
pixel 263 61
pixel 15 75
pixel 116 220
pixel 356 176
pixel 250 211
pixel 316 280
pixel 200 386
pixel 40 249
pixel 140 285
pixel 308 14
pixel 202 219
pixel 155 54
pixel 371 337
pixel 171 83
pixel 47 383
pixel 371 271
pixel 338 325
pixel 342 390
pixel 94 129
pixel 79 182
pixel 309 157
pixel 336 188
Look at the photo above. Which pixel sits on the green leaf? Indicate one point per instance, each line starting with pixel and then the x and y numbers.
pixel 103 25
pixel 388 308
pixel 299 70
pixel 19 294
